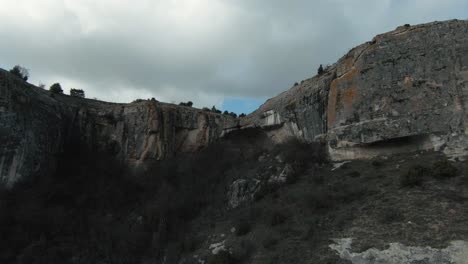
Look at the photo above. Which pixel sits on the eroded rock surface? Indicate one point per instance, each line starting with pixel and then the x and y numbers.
pixel 408 83
pixel 403 91
pixel 396 253
pixel 36 127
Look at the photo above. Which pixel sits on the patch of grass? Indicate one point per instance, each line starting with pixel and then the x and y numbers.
pixel 243 251
pixel 269 242
pixel 444 169
pixel 414 176
pixel 243 227
pixel 377 163
pixel 278 218
pixel 222 257
pixel 391 215
pixel 354 174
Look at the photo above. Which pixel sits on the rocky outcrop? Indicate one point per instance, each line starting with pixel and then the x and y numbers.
pixel 404 90
pixel 396 253
pixel 36 127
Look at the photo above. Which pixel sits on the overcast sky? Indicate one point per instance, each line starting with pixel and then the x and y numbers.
pixel 230 53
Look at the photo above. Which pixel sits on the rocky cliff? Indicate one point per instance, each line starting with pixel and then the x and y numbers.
pixel 403 90
pixel 36 126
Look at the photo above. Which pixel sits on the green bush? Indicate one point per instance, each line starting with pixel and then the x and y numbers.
pixel 56 88
pixel 77 93
pixel 414 177
pixel 278 218
pixel 20 72
pixel 269 242
pixel 320 70
pixel 243 227
pixel 391 215
pixel 222 257
pixel 444 169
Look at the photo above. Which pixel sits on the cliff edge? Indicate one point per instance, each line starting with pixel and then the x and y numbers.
pixel 402 91
pixel 36 127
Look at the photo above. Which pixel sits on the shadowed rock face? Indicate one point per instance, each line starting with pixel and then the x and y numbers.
pixel 408 83
pixel 36 127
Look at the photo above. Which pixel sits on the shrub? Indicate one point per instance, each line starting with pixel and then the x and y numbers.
pixel 189 104
pixel 269 242
pixel 77 93
pixel 300 153
pixel 278 218
pixel 243 251
pixel 320 70
pixel 407 25
pixel 222 257
pixel 20 72
pixel 354 174
pixel 320 200
pixel 242 228
pixel 377 163
pixel 414 176
pixel 242 115
pixel 391 215
pixel 444 169
pixel 214 110
pixel 56 88
pixel 296 84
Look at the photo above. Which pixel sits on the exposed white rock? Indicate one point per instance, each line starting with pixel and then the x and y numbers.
pixel 397 253
pixel 338 165
pixel 242 190
pixel 217 247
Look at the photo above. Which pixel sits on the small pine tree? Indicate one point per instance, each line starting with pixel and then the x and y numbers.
pixel 20 72
pixel 77 93
pixel 56 88
pixel 320 70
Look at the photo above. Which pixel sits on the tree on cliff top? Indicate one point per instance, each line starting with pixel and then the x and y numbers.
pixel 20 72
pixel 56 88
pixel 77 93
pixel 320 70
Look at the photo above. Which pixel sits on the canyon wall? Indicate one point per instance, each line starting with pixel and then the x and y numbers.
pixel 36 127
pixel 404 90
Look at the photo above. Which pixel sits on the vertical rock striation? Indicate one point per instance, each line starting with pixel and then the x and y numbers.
pixel 36 127
pixel 406 88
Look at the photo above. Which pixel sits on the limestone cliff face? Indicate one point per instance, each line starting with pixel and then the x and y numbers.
pixel 404 90
pixel 35 127
pixel 407 86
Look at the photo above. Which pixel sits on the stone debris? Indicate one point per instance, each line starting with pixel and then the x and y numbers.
pixel 217 247
pixel 397 253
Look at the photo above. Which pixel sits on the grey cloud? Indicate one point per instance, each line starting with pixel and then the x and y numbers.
pixel 201 50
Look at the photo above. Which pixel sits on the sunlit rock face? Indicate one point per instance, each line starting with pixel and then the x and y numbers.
pixel 37 127
pixel 408 84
